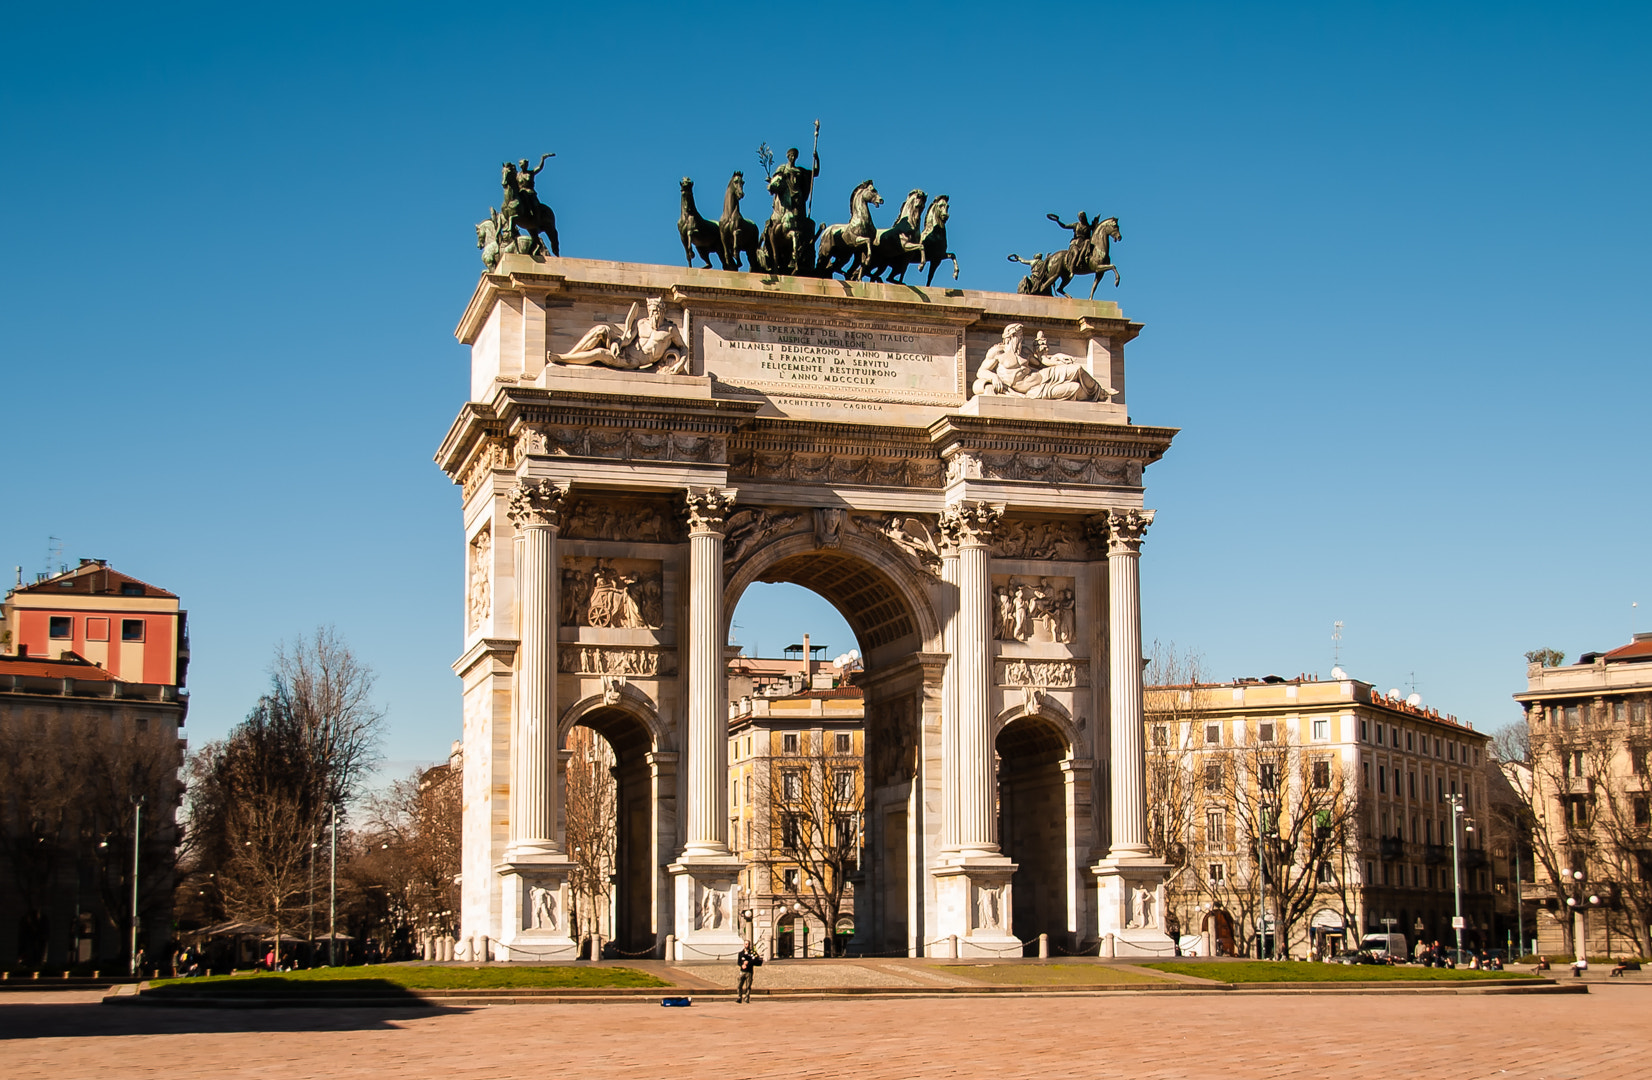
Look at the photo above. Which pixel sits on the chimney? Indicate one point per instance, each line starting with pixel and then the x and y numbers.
pixel 808 664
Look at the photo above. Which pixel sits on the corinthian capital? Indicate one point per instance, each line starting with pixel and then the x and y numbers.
pixel 536 504
pixel 1122 529
pixel 709 508
pixel 970 524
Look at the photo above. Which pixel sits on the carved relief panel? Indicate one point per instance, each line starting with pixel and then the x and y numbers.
pixel 1033 609
pixel 480 593
pixel 641 521
pixel 613 594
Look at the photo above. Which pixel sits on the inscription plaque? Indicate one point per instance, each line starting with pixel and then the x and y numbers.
pixel 854 360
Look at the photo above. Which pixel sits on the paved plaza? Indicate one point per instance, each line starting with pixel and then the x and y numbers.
pixel 1138 1036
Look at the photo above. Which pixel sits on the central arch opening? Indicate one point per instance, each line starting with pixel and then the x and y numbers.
pixel 825 753
pixel 1032 824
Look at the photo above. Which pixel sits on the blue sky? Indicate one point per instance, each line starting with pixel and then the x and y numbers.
pixel 1391 258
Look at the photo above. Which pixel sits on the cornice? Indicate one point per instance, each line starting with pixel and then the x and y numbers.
pixel 500 649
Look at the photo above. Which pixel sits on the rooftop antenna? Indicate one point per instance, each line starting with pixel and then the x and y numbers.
pixel 1336 643
pixel 1413 682
pixel 54 554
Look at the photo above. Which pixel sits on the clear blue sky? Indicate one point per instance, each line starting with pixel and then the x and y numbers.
pixel 1392 260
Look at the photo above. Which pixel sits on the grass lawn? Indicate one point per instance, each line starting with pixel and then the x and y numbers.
pixel 1048 974
pixel 1268 971
pixel 399 976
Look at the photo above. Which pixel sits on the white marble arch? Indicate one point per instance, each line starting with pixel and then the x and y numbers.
pixel 632 701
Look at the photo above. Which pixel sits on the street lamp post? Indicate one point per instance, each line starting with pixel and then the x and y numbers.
pixel 332 898
pixel 1456 874
pixel 137 829
pixel 1580 904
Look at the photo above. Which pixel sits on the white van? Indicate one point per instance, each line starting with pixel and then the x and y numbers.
pixel 1385 945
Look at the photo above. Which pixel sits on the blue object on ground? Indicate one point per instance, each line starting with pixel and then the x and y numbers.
pixel 676 1001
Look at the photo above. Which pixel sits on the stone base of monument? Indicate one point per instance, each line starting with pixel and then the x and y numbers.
pixel 1130 907
pixel 535 912
pixel 998 406
pixel 975 906
pixel 707 919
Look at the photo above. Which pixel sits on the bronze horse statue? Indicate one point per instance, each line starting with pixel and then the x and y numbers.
pixel 522 208
pixel 738 235
pixel 934 239
pixel 697 232
pixel 494 241
pixel 897 247
pixel 1097 261
pixel 846 249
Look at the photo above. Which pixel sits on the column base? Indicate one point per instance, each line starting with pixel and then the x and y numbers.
pixel 535 922
pixel 707 907
pixel 974 903
pixel 1130 906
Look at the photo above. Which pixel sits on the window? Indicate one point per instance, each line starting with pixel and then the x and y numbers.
pixel 1322 729
pixel 1218 874
pixel 788 743
pixel 1413 877
pixel 97 629
pixel 1370 871
pixel 1428 829
pixel 1409 744
pixel 789 876
pixel 1643 812
pixel 1573 764
pixel 748 789
pixel 1324 872
pixel 1439 789
pixel 1365 767
pixel 1266 776
pixel 1411 779
pixel 843 786
pixel 1213 771
pixel 1382 780
pixel 843 828
pixel 1213 734
pixel 131 588
pixel 1577 810
pixel 1637 760
pixel 131 629
pixel 1572 716
pixel 1364 731
pixel 1637 712
pixel 1451 751
pixel 1436 747
pixel 1264 732
pixel 143 723
pixel 734 796
pixel 1322 775
pixel 734 832
pixel 61 626
pixel 791 786
pixel 1379 734
pixel 1161 735
pixel 791 836
pixel 1216 832
pixel 845 743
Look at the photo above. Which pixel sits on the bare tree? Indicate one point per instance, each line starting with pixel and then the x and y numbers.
pixel 1512 744
pixel 592 836
pixel 410 849
pixel 38 829
pixel 810 805
pixel 1173 713
pixel 1299 813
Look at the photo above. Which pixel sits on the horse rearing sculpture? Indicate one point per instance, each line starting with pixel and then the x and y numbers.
pixel 847 249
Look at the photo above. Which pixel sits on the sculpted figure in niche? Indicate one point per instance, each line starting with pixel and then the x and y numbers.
pixel 652 341
pixel 612 603
pixel 987 902
pixel 1009 371
pixel 1141 908
pixel 1029 610
pixel 711 910
pixel 480 549
pixel 542 908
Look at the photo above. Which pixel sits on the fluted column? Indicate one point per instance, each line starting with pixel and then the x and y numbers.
pixel 972 524
pixel 949 687
pixel 707 677
pixel 535 510
pixel 1124 537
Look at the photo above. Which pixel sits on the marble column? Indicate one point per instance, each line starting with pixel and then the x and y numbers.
pixel 535 510
pixel 977 828
pixel 707 677
pixel 1129 795
pixel 949 689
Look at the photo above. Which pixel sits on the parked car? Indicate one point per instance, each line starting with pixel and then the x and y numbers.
pixel 1385 946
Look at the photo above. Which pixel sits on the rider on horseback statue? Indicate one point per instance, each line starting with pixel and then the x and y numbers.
pixel 1081 246
pixel 522 208
pixel 791 186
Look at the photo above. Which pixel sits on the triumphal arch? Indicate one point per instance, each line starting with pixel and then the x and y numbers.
pixel 956 471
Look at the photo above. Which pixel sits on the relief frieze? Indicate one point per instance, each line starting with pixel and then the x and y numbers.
pixel 1022 539
pixel 613 594
pixel 869 469
pixel 624 444
pixel 615 660
pixel 1045 673
pixel 633 520
pixel 1033 609
pixel 1048 468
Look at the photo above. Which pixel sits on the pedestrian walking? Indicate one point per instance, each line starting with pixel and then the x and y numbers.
pixel 748 962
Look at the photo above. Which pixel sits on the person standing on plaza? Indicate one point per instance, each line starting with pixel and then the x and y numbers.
pixel 748 962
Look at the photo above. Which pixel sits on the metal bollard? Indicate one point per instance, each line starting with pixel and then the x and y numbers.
pixel 1043 946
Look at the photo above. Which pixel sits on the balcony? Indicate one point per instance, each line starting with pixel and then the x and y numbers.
pixel 1434 854
pixel 1475 858
pixel 1390 847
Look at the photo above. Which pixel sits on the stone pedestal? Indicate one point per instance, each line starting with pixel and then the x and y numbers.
pixel 1130 924
pixel 707 908
pixel 975 904
pixel 535 916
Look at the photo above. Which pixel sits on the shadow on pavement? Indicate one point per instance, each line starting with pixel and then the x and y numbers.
pixel 92 1019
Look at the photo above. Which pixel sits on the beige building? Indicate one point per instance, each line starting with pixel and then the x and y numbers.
pixel 1326 807
pixel 1592 799
pixel 796 799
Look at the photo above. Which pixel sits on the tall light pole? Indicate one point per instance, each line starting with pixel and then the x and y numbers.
pixel 1579 904
pixel 1456 874
pixel 332 897
pixel 137 829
